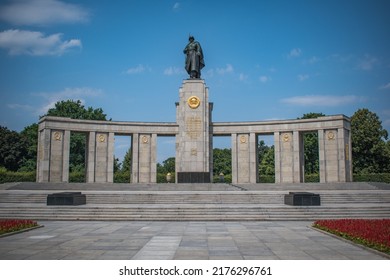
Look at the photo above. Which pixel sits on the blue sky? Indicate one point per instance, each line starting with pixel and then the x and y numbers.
pixel 265 59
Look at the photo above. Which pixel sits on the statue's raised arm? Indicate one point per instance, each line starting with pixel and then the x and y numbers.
pixel 194 58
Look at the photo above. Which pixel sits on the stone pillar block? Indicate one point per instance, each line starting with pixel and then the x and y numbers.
pixel 288 157
pixel 43 155
pixel 59 156
pixel 334 155
pixel 193 143
pixel 90 160
pixel 101 157
pixel 144 167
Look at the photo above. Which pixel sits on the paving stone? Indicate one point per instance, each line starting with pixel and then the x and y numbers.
pixel 178 240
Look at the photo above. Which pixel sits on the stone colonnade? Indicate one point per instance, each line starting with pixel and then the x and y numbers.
pixel 334 142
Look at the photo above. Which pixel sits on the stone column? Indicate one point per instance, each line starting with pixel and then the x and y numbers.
pixel 144 168
pixel 65 159
pixel 234 159
pixel 277 159
pixel 253 158
pixel 90 160
pixel 43 156
pixel 59 156
pixel 193 151
pixel 244 158
pixel 298 160
pixel 110 157
pixel 288 158
pixel 134 158
pixel 100 157
pixel 330 156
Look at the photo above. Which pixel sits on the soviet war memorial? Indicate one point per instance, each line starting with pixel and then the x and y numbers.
pixel 204 206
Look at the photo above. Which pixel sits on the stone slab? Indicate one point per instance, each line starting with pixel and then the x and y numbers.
pixel 302 199
pixel 66 198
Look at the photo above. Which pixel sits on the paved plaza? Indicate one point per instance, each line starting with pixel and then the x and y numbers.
pixel 99 240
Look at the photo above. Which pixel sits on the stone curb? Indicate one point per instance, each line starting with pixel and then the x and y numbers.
pixel 351 242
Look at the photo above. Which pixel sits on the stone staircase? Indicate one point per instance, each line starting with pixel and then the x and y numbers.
pixel 201 202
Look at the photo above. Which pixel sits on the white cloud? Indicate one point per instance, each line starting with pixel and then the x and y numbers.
pixel 264 79
pixel 303 77
pixel 136 70
pixel 367 62
pixel 295 52
pixel 242 77
pixel 176 6
pixel 42 12
pixel 19 42
pixel 51 98
pixel 313 60
pixel 227 69
pixel 322 100
pixel 173 71
pixel 387 86
pixel 22 107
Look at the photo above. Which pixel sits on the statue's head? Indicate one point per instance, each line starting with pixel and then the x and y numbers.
pixel 191 38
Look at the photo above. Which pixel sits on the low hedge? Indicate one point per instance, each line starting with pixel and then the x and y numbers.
pixel 375 177
pixel 269 179
pixel 77 177
pixel 124 177
pixel 11 176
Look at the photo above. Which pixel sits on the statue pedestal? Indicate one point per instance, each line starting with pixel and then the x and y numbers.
pixel 194 141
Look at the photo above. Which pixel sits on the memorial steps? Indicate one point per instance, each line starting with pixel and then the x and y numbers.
pixel 195 202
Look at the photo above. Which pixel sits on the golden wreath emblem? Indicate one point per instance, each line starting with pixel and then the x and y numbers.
pixel 101 138
pixel 57 136
pixel 331 135
pixel 193 102
pixel 145 139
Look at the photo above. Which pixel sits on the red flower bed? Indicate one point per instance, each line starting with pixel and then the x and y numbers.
pixel 371 233
pixel 7 226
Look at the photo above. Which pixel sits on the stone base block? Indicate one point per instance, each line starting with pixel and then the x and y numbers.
pixel 66 198
pixel 193 177
pixel 302 199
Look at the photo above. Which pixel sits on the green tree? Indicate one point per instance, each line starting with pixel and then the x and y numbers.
pixel 222 159
pixel 13 149
pixel 266 158
pixel 126 163
pixel 76 110
pixel 29 162
pixel 167 166
pixel 370 153
pixel 310 145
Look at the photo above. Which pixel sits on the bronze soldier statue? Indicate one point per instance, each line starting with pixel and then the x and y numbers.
pixel 194 58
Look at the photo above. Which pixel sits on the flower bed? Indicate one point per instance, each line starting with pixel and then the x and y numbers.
pixel 371 233
pixel 7 226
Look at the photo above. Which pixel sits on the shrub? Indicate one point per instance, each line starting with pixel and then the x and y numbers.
pixel 373 177
pixel 267 179
pixel 122 177
pixel 12 176
pixel 312 178
pixel 77 177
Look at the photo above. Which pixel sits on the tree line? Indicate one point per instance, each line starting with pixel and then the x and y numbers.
pixel 370 146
